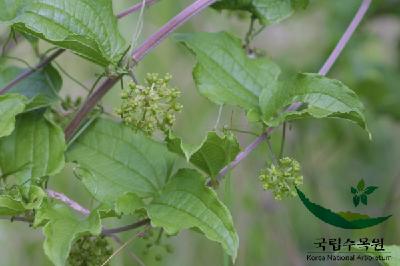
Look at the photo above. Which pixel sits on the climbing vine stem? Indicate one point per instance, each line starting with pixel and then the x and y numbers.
pixel 323 71
pixel 137 55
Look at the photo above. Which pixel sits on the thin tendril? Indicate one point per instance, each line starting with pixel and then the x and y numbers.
pixel 121 248
pixel 139 27
pixel 243 131
pixel 255 34
pixel 271 151
pixel 219 116
pixel 249 35
pixel 19 60
pixel 4 48
pixel 71 77
pixel 95 84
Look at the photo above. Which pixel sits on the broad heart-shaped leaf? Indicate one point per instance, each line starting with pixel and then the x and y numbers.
pixel 266 11
pixel 121 168
pixel 21 199
pixel 114 160
pixel 35 148
pixel 186 202
pixel 224 73
pixel 211 155
pixel 10 106
pixel 87 27
pixel 61 227
pixel 41 88
pixel 321 97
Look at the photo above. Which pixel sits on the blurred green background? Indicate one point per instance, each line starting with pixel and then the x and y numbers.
pixel 334 154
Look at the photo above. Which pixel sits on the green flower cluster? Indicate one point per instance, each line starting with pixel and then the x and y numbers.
pixel 90 251
pixel 150 107
pixel 282 179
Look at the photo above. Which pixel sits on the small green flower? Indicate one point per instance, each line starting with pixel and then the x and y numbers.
pixel 150 107
pixel 283 178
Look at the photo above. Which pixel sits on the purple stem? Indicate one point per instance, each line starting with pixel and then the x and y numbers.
pixel 135 8
pixel 126 227
pixel 242 155
pixel 29 72
pixel 90 103
pixel 169 27
pixel 73 204
pixel 77 207
pixel 323 71
pixel 346 37
pixel 137 55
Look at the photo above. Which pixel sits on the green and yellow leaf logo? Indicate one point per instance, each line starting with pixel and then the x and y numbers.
pixel 347 219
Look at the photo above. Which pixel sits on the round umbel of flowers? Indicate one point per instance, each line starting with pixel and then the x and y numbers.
pixel 151 106
pixel 282 178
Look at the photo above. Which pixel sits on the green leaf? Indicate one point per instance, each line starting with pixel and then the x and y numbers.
pixel 35 149
pixel 128 204
pixel 87 27
pixel 321 97
pixel 370 190
pixel 9 8
pixel 361 185
pixel 21 199
pixel 31 197
pixel 353 190
pixel 41 88
pixel 211 155
pixel 267 11
pixel 61 227
pixel 176 145
pixel 10 206
pixel 114 160
pixel 356 200
pixel 129 171
pixel 224 73
pixel 186 202
pixel 364 199
pixel 10 106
